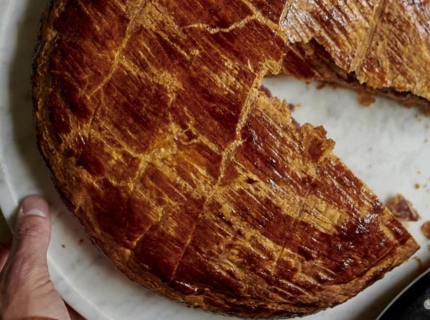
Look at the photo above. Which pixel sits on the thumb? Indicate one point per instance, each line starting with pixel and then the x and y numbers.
pixel 26 268
pixel 25 286
pixel 32 230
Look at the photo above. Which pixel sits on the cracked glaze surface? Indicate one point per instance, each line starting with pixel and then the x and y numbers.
pixel 194 183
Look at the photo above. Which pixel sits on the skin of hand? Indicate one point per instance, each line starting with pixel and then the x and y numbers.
pixel 26 290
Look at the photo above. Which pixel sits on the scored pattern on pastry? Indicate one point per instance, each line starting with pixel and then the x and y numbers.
pixel 193 182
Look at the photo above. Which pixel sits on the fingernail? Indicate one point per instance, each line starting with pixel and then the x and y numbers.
pixel 35 212
pixel 34 206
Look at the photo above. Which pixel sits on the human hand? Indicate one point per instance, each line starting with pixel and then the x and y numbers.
pixel 26 290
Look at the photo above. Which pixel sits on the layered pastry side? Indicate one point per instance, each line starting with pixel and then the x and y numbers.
pixel 193 182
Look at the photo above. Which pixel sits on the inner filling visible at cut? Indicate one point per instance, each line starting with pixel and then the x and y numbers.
pixel 311 62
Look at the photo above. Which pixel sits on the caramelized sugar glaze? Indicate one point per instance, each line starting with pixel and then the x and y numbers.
pixel 194 183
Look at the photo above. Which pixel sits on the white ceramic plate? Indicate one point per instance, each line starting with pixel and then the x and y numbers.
pixel 384 145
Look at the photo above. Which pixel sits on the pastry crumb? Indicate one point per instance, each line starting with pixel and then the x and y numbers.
pixel 403 209
pixel 421 266
pixel 266 91
pixel 417 186
pixel 321 86
pixel 425 229
pixel 365 100
pixel 63 246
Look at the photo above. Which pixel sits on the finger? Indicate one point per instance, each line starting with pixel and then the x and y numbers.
pixel 32 230
pixel 25 286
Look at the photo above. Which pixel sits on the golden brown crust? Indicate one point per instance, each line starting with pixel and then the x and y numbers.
pixel 194 183
pixel 383 45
